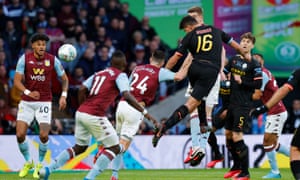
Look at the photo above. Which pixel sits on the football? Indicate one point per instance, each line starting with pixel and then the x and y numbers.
pixel 67 52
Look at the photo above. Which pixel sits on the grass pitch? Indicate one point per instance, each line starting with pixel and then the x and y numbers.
pixel 176 174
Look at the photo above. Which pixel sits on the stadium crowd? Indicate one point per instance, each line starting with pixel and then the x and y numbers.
pixel 96 28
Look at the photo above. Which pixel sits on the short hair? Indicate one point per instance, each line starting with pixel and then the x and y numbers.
pixel 39 36
pixel 158 56
pixel 118 59
pixel 187 20
pixel 196 9
pixel 248 35
pixel 258 54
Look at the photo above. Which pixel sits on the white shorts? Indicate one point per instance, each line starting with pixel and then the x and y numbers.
pixel 274 123
pixel 128 120
pixel 213 96
pixel 99 127
pixel 30 110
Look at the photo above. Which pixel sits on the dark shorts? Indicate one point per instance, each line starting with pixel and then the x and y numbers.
pixel 202 76
pixel 238 119
pixel 296 138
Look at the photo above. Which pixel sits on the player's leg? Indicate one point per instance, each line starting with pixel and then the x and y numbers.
pixel 110 140
pixel 82 137
pixel 128 121
pixel 240 124
pixel 295 154
pixel 24 117
pixel 273 128
pixel 43 116
pixel 236 168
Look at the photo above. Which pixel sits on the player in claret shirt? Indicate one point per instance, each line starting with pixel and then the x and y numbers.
pixel 36 69
pixel 103 87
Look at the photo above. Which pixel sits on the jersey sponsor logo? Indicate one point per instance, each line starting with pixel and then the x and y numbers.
pixel 47 62
pixel 38 74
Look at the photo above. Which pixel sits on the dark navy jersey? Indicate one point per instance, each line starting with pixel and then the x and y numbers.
pixel 205 43
pixel 251 75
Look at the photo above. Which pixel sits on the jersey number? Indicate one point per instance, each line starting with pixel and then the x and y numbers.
pixel 97 84
pixel 142 85
pixel 204 43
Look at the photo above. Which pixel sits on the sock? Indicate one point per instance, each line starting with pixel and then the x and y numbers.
pixel 116 162
pixel 272 160
pixel 177 116
pixel 61 159
pixel 283 150
pixel 101 164
pixel 195 131
pixel 295 167
pixel 43 147
pixel 24 148
pixel 235 157
pixel 203 140
pixel 212 141
pixel 243 154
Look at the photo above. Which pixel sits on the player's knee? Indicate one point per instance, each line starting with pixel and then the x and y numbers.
pixel 20 137
pixel 116 149
pixel 44 137
pixel 79 149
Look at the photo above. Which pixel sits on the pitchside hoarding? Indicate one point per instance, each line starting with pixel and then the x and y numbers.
pixel 276 24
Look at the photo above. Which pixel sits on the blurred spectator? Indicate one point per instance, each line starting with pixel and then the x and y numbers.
pixel 14 11
pixel 67 20
pixel 3 61
pixel 139 52
pixel 258 125
pixel 75 80
pixel 55 35
pixel 131 22
pixel 30 11
pixel 144 129
pixel 87 62
pixel 48 6
pixel 41 21
pixel 92 9
pixel 82 18
pixel 112 9
pixel 131 66
pixel 147 31
pixel 117 36
pixel 4 108
pixel 93 28
pixel 293 120
pixel 111 47
pixel 103 15
pixel 10 120
pixel 56 127
pixel 103 60
pixel 12 38
pixel 100 37
pixel 4 88
pixel 27 31
pixel 3 18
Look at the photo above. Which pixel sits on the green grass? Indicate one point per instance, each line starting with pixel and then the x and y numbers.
pixel 176 174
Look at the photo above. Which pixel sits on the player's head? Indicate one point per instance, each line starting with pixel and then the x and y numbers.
pixel 118 60
pixel 260 58
pixel 197 13
pixel 187 23
pixel 157 58
pixel 247 41
pixel 38 44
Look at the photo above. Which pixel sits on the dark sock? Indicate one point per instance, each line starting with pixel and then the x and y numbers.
pixel 235 157
pixel 243 154
pixel 177 116
pixel 295 167
pixel 212 141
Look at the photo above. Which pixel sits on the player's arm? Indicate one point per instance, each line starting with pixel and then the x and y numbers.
pixel 18 79
pixel 64 83
pixel 122 82
pixel 173 60
pixel 256 82
pixel 223 63
pixel 182 73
